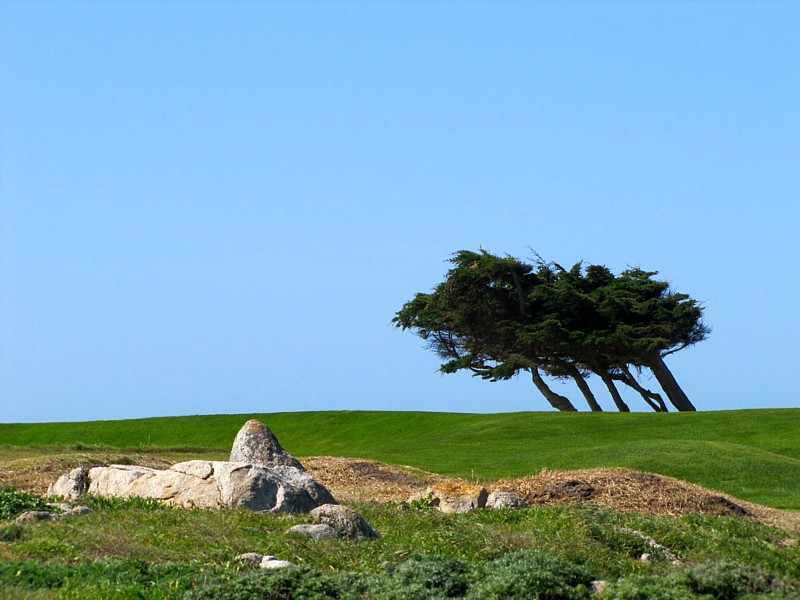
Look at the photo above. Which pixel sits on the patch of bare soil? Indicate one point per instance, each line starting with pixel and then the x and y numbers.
pixel 362 480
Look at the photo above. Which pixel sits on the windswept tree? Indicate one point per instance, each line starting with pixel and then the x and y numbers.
pixel 498 316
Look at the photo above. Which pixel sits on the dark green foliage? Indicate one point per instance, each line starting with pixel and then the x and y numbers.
pixel 532 574
pixel 10 533
pixel 729 581
pixel 648 588
pixel 104 579
pixel 497 316
pixel 280 584
pixel 425 577
pixel 710 580
pixel 14 502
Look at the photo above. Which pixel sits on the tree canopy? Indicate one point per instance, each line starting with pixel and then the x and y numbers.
pixel 498 316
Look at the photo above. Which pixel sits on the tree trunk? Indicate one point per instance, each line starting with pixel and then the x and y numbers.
pixel 556 401
pixel 584 388
pixel 667 382
pixel 655 400
pixel 612 389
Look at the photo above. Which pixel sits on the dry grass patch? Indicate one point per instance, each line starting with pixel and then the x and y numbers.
pixel 361 480
pixel 627 491
pixel 34 475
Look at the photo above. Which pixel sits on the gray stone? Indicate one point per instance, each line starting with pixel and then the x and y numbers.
pixel 211 484
pixel 505 500
pixel 77 511
pixel 71 486
pixel 34 515
pixel 271 562
pixel 318 531
pixel 254 558
pixel 260 476
pixel 256 444
pixel 344 520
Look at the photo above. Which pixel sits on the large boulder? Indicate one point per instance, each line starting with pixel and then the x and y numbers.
pixel 261 476
pixel 206 484
pixel 256 444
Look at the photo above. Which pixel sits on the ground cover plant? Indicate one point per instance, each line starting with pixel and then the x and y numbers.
pixel 751 454
pixel 140 548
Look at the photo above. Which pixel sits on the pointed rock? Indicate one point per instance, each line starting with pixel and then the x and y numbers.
pixel 256 444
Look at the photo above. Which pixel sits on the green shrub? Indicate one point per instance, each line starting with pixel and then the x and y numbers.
pixel 532 574
pixel 728 581
pixel 279 584
pixel 13 503
pixel 11 533
pixel 648 588
pixel 103 578
pixel 422 578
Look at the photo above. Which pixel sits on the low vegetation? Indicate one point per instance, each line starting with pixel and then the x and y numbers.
pixel 139 548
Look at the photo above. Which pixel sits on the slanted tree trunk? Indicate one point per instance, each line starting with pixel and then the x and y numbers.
pixel 654 400
pixel 612 389
pixel 557 401
pixel 667 382
pixel 580 380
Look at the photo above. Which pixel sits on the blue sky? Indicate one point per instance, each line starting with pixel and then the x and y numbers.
pixel 217 207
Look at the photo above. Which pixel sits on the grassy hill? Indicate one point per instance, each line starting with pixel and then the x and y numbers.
pixel 752 454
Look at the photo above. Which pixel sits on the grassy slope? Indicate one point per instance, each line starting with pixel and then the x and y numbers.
pixel 754 455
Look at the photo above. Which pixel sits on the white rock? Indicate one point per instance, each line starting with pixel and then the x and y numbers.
pixel 270 562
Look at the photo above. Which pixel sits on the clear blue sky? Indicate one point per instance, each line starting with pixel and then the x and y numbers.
pixel 217 207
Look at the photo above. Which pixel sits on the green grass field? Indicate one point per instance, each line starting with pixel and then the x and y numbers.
pixel 751 454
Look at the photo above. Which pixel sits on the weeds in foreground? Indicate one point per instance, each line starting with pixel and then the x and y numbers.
pixel 140 548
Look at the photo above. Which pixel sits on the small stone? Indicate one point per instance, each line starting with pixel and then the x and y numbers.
pixel 271 562
pixel 457 497
pixel 318 531
pixel 598 587
pixel 77 511
pixel 344 520
pixel 505 500
pixel 646 557
pixel 254 558
pixel 34 515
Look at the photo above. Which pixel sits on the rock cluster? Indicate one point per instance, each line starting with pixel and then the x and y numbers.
pixel 42 515
pixel 336 521
pixel 260 476
pixel 265 561
pixel 463 497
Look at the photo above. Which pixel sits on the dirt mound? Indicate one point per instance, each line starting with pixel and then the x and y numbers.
pixel 362 480
pixel 624 490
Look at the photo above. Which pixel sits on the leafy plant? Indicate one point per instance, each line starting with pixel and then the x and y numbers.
pixel 14 502
pixel 281 584
pixel 532 574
